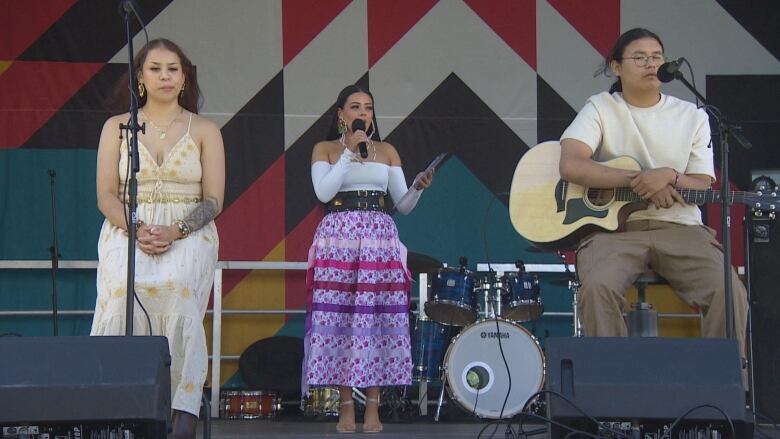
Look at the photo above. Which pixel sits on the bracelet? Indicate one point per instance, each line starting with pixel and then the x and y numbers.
pixel 184 229
pixel 138 224
pixel 676 178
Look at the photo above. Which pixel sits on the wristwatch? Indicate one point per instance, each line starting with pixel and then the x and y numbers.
pixel 184 229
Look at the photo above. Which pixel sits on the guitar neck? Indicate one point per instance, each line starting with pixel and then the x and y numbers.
pixel 691 196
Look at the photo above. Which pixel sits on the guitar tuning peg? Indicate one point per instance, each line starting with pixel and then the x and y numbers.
pixel 758 213
pixel 771 215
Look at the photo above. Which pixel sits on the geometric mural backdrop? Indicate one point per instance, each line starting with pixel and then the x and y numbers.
pixel 484 80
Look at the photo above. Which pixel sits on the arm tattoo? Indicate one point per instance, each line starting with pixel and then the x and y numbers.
pixel 202 214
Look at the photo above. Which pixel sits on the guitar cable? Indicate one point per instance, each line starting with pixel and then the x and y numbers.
pixel 510 430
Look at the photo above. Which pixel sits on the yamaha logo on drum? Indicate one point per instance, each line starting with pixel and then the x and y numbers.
pixel 494 334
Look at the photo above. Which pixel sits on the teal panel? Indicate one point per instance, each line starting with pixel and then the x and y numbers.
pixel 25 203
pixel 459 216
pixel 26 225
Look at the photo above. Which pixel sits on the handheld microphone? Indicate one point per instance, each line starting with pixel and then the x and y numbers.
pixel 358 124
pixel 668 70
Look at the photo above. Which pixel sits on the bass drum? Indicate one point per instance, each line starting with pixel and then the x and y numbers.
pixel 477 378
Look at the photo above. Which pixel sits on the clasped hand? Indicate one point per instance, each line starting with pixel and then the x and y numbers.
pixel 655 185
pixel 155 239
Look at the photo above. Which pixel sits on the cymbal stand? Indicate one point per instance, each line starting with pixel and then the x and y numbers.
pixel 574 286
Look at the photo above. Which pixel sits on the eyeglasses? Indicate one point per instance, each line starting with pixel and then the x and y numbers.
pixel 643 60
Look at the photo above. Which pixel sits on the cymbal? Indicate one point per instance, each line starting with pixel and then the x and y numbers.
pixel 420 263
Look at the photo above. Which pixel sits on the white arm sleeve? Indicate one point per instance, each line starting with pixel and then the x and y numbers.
pixel 397 187
pixel 327 178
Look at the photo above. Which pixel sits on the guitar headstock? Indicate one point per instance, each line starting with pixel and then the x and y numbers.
pixel 765 198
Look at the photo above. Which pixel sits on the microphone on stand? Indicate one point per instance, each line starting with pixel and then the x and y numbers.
pixel 669 71
pixel 359 125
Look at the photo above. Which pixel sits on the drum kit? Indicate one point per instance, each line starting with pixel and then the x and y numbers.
pixel 470 339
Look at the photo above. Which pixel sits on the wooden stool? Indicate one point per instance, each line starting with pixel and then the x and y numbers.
pixel 643 320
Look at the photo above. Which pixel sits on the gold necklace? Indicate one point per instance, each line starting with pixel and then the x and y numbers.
pixel 163 131
pixel 357 157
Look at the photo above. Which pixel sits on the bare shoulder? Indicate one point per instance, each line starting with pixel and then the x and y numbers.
pixel 203 126
pixel 325 149
pixel 113 122
pixel 387 150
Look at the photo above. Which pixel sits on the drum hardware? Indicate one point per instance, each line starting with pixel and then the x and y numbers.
pixel 574 286
pixel 321 402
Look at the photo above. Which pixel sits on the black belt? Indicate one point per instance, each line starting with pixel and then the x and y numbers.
pixel 357 200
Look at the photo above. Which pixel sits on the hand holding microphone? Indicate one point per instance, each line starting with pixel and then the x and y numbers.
pixel 359 125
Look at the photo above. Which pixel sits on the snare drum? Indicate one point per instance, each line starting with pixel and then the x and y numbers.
pixel 429 341
pixel 257 404
pixel 477 378
pixel 454 301
pixel 520 298
pixel 249 404
pixel 230 404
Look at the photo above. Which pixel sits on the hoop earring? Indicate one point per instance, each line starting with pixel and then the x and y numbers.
pixel 371 131
pixel 141 89
pixel 341 126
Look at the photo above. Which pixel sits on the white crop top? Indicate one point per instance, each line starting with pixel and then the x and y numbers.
pixel 348 175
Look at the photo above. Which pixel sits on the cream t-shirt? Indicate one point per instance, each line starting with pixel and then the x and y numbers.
pixel 673 133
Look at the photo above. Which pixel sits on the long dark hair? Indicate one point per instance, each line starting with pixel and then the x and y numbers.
pixel 333 131
pixel 190 99
pixel 616 53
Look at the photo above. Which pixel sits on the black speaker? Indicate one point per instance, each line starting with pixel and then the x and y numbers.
pixel 765 317
pixel 86 379
pixel 648 379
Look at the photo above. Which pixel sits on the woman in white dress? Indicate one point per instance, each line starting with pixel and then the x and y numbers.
pixel 180 191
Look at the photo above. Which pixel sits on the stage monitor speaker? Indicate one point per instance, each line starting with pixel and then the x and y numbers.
pixel 765 317
pixel 70 379
pixel 654 380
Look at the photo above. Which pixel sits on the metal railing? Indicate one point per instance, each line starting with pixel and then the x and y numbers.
pixel 218 311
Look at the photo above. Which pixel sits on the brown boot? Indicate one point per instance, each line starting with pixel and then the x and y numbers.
pixel 183 425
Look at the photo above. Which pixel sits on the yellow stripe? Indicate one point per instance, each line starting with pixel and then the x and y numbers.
pixel 4 66
pixel 260 289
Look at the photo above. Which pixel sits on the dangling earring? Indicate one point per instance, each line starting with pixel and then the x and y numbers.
pixel 181 92
pixel 141 89
pixel 341 126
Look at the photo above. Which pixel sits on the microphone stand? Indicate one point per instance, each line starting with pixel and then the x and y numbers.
pixel 724 130
pixel 131 134
pixel 54 250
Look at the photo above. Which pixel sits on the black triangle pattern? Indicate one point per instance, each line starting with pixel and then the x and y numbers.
pixel 93 24
pixel 299 193
pixel 454 119
pixel 759 18
pixel 553 113
pixel 254 138
pixel 77 124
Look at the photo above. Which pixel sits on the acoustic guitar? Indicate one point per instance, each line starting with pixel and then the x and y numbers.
pixel 555 214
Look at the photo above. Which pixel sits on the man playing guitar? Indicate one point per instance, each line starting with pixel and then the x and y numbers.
pixel 669 138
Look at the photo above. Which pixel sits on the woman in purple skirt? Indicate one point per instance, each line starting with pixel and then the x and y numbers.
pixel 357 325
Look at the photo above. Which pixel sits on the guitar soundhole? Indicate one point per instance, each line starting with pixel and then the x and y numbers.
pixel 600 197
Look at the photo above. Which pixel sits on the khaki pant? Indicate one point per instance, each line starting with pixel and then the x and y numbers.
pixel 688 257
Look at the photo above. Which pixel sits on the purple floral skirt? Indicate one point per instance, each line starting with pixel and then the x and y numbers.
pixel 357 324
